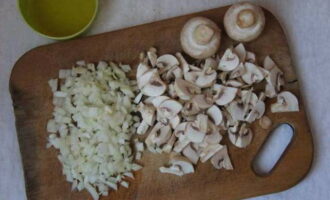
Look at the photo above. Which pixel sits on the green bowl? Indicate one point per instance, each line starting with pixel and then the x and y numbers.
pixel 58 19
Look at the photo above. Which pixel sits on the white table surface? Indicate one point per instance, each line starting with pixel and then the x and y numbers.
pixel 307 25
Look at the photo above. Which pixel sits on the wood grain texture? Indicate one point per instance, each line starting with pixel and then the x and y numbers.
pixel 32 104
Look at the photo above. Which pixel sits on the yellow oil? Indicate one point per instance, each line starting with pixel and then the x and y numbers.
pixel 58 18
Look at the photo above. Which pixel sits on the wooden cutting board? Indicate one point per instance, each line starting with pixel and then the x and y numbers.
pixel 32 103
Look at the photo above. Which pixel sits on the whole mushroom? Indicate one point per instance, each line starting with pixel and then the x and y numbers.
pixel 244 21
pixel 200 37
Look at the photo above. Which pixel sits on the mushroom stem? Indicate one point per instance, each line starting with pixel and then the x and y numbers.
pixel 245 18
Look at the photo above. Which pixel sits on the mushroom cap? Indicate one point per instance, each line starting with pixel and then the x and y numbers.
pixel 200 37
pixel 244 21
pixel 229 61
pixel 215 114
pixel 221 159
pixel 286 102
pixel 224 95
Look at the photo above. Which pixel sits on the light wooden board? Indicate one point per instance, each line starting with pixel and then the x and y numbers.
pixel 32 103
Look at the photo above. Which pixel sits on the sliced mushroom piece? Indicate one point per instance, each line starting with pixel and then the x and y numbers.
pixel 224 95
pixel 238 72
pixel 234 83
pixel 191 153
pixel 201 121
pixel 173 73
pixel 141 69
pixel 171 91
pixel 152 56
pixel 208 151
pixel 142 129
pixel 229 61
pixel 265 122
pixel 221 159
pixel 193 132
pixel 138 98
pixel 145 78
pixel 242 138
pixel 190 108
pixel 158 100
pixel 274 79
pixel 183 163
pixel 253 74
pixel 244 21
pixel 183 141
pixel 147 113
pixel 162 136
pixel 179 130
pixel 212 138
pixel 169 108
pixel 154 87
pixel 172 170
pixel 186 68
pixel 210 63
pixel 150 140
pixel 236 111
pixel 240 51
pixel 167 60
pixel 257 112
pixel 286 102
pixel 215 114
pixel 203 101
pixel 185 90
pixel 250 57
pixel 200 37
pixel 167 148
pixel 175 121
pixel 206 78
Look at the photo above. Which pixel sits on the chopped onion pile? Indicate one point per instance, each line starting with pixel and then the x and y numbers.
pixel 92 126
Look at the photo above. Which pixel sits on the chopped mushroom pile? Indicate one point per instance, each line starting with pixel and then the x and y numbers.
pixel 187 108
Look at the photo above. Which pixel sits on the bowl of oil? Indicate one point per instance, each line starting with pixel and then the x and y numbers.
pixel 58 19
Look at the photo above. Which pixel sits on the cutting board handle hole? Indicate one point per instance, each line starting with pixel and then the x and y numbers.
pixel 272 150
